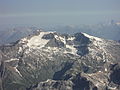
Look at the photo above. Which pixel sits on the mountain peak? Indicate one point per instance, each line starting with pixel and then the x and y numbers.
pixel 60 60
pixel 77 44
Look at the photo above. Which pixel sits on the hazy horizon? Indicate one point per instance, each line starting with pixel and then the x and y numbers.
pixel 58 12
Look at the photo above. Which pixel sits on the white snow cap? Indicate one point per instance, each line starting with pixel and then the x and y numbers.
pixel 38 41
pixel 92 37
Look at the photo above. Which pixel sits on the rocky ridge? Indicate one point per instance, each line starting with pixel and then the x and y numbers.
pixel 53 61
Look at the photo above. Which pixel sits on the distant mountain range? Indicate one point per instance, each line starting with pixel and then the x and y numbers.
pixel 106 31
pixel 10 35
pixel 54 61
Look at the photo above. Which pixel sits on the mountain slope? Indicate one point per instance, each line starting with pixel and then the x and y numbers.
pixel 53 61
pixel 106 31
pixel 10 35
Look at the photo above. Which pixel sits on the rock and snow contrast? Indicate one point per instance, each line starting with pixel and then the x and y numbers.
pixel 53 61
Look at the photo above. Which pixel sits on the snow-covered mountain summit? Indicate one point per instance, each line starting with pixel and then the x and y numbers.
pixel 77 44
pixel 41 60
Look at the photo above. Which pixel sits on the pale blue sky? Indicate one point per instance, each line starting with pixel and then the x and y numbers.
pixel 45 12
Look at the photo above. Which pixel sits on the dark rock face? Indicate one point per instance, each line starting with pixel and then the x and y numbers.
pixel 55 43
pixel 81 83
pixel 63 63
pixel 77 83
pixel 58 75
pixel 55 85
pixel 82 50
pixel 119 41
pixel 79 37
pixel 115 75
pixel 2 74
pixel 48 36
pixel 82 42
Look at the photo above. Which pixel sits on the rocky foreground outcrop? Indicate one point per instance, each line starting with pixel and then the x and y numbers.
pixel 52 61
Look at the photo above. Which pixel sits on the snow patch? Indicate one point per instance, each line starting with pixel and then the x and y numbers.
pixel 53 48
pixel 73 50
pixel 106 69
pixel 71 38
pixel 37 41
pixel 92 37
pixel 62 39
pixel 20 49
pixel 24 40
pixel 56 36
pixel 17 71
pixel 12 59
